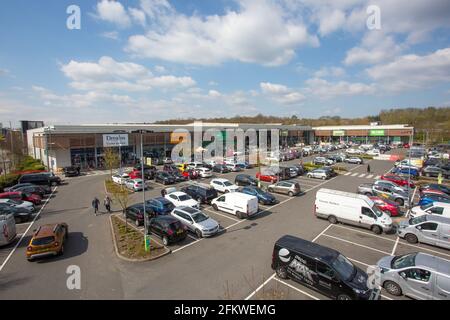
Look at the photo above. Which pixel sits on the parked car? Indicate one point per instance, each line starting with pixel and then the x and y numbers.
pixel 431 198
pixel 318 174
pixel 196 221
pixel 223 185
pixel 439 208
pixel 19 195
pixel 406 171
pixel 135 213
pixel 203 193
pixel 204 172
pixel 160 205
pixel 330 171
pixel 426 192
pixel 195 165
pixel 320 268
pixel 46 189
pixel 168 228
pixel 120 178
pixel 8 227
pixel 245 180
pixel 220 168
pixel 435 186
pixel 392 185
pixel 20 214
pixel 71 171
pixel 434 171
pixel 291 188
pixel 300 169
pixel 267 177
pixel 18 204
pixel 179 198
pixel 234 167
pixel 417 275
pixel 322 161
pixel 351 208
pixel 354 160
pixel 397 180
pixel 191 174
pixel 134 184
pixel 237 203
pixel 389 207
pixel 263 196
pixel 44 178
pixel 384 191
pixel 49 239
pixel 429 228
pixel 164 178
pixel 31 189
pixel 135 174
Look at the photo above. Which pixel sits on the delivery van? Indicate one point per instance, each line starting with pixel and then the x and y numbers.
pixel 438 208
pixel 351 208
pixel 321 268
pixel 240 204
pixel 429 228
pixel 7 229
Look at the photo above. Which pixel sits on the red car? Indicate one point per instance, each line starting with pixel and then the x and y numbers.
pixel 191 174
pixel 387 206
pixel 135 174
pixel 397 180
pixel 266 177
pixel 424 192
pixel 17 195
pixel 406 145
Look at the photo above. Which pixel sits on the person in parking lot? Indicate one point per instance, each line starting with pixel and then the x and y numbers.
pixel 163 192
pixel 107 203
pixel 368 168
pixel 95 204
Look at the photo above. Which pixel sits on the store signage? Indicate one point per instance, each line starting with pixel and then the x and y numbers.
pixel 338 133
pixel 284 133
pixel 376 133
pixel 115 140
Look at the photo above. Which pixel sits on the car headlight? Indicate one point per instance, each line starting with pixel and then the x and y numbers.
pixel 358 291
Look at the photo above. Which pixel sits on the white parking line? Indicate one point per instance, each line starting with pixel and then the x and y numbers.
pixel 369 176
pixel 296 289
pixel 363 232
pixel 188 245
pixel 395 246
pixel 260 287
pixel 323 231
pixel 347 173
pixel 362 175
pixel 220 214
pixel 26 231
pixel 377 177
pixel 356 244
pixel 354 174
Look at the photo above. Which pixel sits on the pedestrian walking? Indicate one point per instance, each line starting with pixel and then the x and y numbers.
pixel 163 192
pixel 368 168
pixel 95 204
pixel 107 202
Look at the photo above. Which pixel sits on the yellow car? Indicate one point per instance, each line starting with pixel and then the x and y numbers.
pixel 182 166
pixel 48 240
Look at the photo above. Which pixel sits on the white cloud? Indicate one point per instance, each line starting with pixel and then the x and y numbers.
pixel 113 11
pixel 242 35
pixel 160 69
pixel 273 88
pixel 413 71
pixel 325 72
pixel 324 89
pixel 114 35
pixel 281 93
pixel 138 16
pixel 214 93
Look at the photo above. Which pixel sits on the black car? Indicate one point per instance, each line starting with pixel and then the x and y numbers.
pixel 434 171
pixel 149 171
pixel 164 177
pixel 20 214
pixel 179 176
pixel 263 196
pixel 44 178
pixel 136 213
pixel 46 189
pixel 199 192
pixel 170 168
pixel 245 180
pixel 435 186
pixel 320 268
pixel 32 189
pixel 431 162
pixel 220 168
pixel 71 171
pixel 168 228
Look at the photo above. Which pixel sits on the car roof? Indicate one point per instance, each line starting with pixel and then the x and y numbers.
pixel 433 262
pixel 220 179
pixel 178 193
pixel 437 218
pixel 188 210
pixel 45 230
pixel 167 218
pixel 309 248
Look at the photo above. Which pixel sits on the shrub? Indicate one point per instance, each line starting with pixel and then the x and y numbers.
pixel 8 180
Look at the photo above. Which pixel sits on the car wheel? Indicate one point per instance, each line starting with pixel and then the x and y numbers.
pixel 281 272
pixel 411 238
pixel 165 240
pixel 400 202
pixel 323 178
pixel 198 233
pixel 368 194
pixel 215 207
pixel 332 219
pixel 270 190
pixel 308 176
pixel 290 194
pixel 377 230
pixel 393 288
pixel 239 214
pixel 343 297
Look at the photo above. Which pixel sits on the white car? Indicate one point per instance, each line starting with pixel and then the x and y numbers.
pixel 318 174
pixel 179 198
pixel 18 204
pixel 223 185
pixel 354 151
pixel 195 165
pixel 373 152
pixel 120 179
pixel 439 208
pixel 196 221
pixel 204 172
pixel 354 160
pixel 134 184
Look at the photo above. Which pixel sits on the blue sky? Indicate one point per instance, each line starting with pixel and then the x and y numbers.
pixel 147 60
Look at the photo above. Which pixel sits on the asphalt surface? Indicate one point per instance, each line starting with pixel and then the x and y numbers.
pixel 234 264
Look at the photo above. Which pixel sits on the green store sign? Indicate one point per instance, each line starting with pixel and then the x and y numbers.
pixel 338 133
pixel 376 133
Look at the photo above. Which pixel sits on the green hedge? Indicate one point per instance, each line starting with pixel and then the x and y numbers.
pixel 29 163
pixel 8 180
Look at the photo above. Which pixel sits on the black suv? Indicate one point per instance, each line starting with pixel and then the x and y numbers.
pixel 45 178
pixel 245 180
pixel 71 171
pixel 201 193
pixel 220 168
pixel 164 177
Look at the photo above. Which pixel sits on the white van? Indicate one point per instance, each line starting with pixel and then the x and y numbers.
pixel 240 204
pixel 351 208
pixel 438 208
pixel 7 229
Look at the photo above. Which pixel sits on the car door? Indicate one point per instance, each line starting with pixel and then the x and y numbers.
pixel 222 205
pixel 183 218
pixel 416 282
pixel 443 236
pixel 327 281
pixel 428 232
pixel 366 217
pixel 174 199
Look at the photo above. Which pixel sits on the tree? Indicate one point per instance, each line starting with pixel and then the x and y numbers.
pixel 111 159
pixel 120 195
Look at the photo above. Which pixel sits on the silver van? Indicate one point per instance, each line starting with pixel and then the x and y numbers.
pixel 7 229
pixel 417 275
pixel 429 229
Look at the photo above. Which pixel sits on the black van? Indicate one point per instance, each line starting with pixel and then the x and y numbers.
pixel 44 178
pixel 203 193
pixel 321 268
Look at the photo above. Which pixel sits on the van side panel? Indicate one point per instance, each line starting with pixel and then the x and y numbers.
pixel 442 287
pixel 444 235
pixel 345 209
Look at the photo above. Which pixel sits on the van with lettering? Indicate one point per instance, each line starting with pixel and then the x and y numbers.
pixel 321 268
pixel 7 229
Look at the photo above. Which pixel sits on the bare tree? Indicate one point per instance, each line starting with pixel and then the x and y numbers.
pixel 111 159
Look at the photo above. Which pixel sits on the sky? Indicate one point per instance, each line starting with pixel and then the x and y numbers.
pixel 148 60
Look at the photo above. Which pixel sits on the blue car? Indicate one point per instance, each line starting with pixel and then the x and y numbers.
pixel 430 198
pixel 412 172
pixel 244 165
pixel 263 196
pixel 160 205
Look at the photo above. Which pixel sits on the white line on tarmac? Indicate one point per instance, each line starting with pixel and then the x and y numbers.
pixel 369 176
pixel 296 289
pixel 26 231
pixel 363 232
pixel 260 287
pixel 220 214
pixel 356 244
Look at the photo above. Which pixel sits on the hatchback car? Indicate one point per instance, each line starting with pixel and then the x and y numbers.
pixel 49 239
pixel 179 198
pixel 220 168
pixel 318 174
pixel 389 207
pixel 19 195
pixel 287 187
pixel 435 186
pixel 164 178
pixel 20 214
pixel 120 178
pixel 434 171
pixel 354 160
pixel 18 204
pixel 267 177
pixel 397 180
pixel 196 221
pixel 134 184
pixel 135 213
pixel 245 180
pixel 431 198
pixel 223 185
pixel 168 228
pixel 263 196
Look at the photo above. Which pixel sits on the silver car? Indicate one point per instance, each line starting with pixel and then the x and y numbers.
pixel 417 275
pixel 134 184
pixel 318 174
pixel 287 187
pixel 196 221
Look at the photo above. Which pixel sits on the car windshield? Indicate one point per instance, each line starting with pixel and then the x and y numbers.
pixel 168 205
pixel 43 241
pixel 199 217
pixel 227 183
pixel 377 211
pixel 13 201
pixel 427 206
pixel 420 219
pixel 175 226
pixel 184 197
pixel 344 267
pixel 407 260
